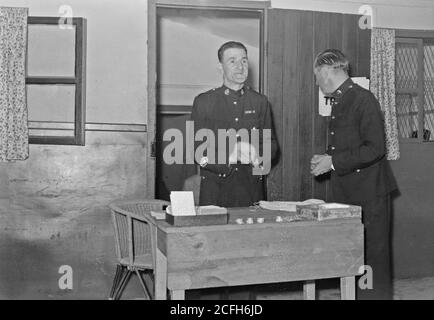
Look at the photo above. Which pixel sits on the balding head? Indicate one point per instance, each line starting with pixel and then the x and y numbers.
pixel 333 58
pixel 331 70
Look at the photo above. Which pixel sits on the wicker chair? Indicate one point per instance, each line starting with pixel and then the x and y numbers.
pixel 135 245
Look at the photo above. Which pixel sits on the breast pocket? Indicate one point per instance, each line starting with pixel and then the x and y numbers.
pixel 250 123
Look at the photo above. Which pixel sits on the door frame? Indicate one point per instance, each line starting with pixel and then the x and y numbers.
pixel 261 6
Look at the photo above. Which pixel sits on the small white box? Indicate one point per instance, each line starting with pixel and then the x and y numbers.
pixel 182 203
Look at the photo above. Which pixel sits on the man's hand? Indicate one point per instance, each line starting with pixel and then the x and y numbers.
pixel 320 164
pixel 235 154
pixel 245 153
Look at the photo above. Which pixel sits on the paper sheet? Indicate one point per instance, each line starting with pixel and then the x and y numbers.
pixel 334 206
pixel 290 206
pixel 182 203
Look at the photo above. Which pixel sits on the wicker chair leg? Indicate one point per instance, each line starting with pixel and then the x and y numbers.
pixel 145 288
pixel 115 281
pixel 120 278
pixel 123 283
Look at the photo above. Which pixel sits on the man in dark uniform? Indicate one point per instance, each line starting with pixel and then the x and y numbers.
pixel 234 183
pixel 356 157
pixel 239 180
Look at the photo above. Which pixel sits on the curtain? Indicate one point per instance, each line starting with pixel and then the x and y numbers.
pixel 383 84
pixel 14 138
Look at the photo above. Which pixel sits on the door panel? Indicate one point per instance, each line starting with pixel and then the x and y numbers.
pixel 187 41
pixel 294 39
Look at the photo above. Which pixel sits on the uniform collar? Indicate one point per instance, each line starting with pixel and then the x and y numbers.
pixel 233 93
pixel 343 88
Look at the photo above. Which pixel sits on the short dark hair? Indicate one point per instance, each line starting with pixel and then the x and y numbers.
pixel 230 45
pixel 333 58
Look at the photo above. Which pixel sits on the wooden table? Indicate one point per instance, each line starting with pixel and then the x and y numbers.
pixel 232 254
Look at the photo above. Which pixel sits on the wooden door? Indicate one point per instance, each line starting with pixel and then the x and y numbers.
pixel 163 115
pixel 294 39
pixel 152 99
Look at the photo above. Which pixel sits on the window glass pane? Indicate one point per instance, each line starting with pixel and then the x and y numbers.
pixel 51 102
pixel 406 66
pixel 188 41
pixel 51 51
pixel 407 114
pixel 429 91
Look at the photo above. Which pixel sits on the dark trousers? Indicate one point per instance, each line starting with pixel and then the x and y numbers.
pixel 240 189
pixel 377 220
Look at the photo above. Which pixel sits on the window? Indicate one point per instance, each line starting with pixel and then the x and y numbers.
pixel 56 81
pixel 415 87
pixel 197 33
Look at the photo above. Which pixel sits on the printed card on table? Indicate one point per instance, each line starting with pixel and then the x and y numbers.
pixel 325 107
pixel 182 203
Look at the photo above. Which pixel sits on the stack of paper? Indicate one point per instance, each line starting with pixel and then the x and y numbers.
pixel 290 206
pixel 204 210
pixel 159 215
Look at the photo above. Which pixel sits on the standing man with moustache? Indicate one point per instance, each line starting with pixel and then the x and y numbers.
pixel 356 157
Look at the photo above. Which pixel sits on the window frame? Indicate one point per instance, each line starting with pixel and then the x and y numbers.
pixel 78 80
pixel 418 37
pixel 419 91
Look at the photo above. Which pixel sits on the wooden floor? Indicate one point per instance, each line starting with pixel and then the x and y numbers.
pixel 405 289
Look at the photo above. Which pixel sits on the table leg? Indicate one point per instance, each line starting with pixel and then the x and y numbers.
pixel 177 294
pixel 348 288
pixel 160 276
pixel 309 290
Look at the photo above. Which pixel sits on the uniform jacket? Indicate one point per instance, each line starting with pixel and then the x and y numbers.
pixel 222 108
pixel 357 146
